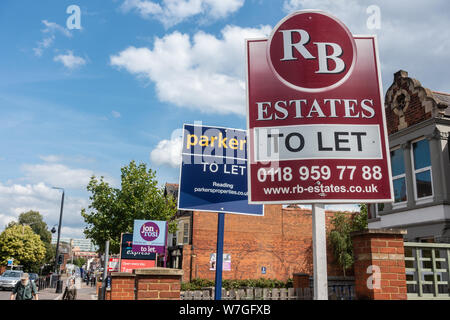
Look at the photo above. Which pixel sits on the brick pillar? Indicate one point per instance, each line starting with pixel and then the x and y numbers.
pixel 383 250
pixel 158 284
pixel 301 280
pixel 122 286
pixel 187 262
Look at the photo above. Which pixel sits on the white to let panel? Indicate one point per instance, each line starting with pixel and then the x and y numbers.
pixel 317 142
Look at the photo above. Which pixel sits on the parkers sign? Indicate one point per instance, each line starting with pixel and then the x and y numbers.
pixel 315 115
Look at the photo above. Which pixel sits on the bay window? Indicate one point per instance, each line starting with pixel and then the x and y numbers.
pixel 423 181
pixel 398 175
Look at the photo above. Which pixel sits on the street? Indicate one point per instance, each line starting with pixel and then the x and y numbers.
pixel 84 292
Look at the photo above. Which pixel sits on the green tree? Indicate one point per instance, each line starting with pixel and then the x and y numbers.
pixel 113 210
pixel 35 220
pixel 79 262
pixel 22 244
pixel 339 236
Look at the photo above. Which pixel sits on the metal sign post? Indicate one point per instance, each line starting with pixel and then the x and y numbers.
pixel 219 256
pixel 319 252
pixel 105 270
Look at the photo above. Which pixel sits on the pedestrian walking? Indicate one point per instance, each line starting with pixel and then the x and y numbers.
pixel 24 289
pixel 70 293
pixel 93 280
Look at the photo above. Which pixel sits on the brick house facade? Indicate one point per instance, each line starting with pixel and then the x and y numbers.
pixel 280 243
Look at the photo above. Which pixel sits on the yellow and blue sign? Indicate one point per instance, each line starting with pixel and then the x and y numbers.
pixel 214 171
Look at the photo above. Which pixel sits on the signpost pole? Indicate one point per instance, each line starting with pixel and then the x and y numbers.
pixel 165 246
pixel 105 270
pixel 319 252
pixel 219 256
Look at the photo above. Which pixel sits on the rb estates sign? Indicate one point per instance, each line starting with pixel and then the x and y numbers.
pixel 315 114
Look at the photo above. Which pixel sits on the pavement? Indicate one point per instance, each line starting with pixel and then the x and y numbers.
pixel 84 292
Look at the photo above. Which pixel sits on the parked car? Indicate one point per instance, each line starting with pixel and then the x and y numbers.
pixel 9 279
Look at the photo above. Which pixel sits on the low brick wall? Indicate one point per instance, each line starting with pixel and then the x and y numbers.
pixel 158 284
pixel 146 284
pixel 122 286
pixel 383 250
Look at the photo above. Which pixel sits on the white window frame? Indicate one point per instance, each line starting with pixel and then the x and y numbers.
pixel 186 223
pixel 180 232
pixel 377 212
pixel 414 172
pixel 396 205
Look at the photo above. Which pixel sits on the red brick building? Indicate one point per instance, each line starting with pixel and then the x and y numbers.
pixel 279 243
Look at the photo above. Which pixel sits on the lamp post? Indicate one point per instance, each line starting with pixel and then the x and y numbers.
pixel 59 233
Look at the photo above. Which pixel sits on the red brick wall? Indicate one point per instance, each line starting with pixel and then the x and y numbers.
pixel 146 284
pixel 281 241
pixel 122 287
pixel 385 251
pixel 158 288
pixel 186 261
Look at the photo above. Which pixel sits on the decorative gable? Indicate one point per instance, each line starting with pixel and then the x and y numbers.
pixel 408 103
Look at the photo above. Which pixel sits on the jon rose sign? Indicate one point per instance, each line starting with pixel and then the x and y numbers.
pixel 317 131
pixel 149 236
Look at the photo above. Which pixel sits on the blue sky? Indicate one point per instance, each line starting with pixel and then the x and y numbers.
pixel 77 102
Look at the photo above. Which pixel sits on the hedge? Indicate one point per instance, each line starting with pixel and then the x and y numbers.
pixel 197 284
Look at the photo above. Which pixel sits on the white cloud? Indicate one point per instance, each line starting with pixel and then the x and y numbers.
pixel 57 174
pixel 34 192
pixel 72 233
pixel 50 31
pixel 115 114
pixel 50 158
pixel 5 220
pixel 204 73
pixel 411 37
pixel 43 44
pixel 172 12
pixel 60 175
pixel 52 27
pixel 17 198
pixel 168 152
pixel 69 60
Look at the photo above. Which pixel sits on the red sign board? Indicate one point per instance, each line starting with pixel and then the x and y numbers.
pixel 317 131
pixel 113 265
pixel 130 265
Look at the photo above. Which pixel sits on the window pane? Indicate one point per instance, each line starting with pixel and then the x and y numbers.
pixel 421 152
pixel 397 163
pixel 380 206
pixel 423 184
pixel 399 190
